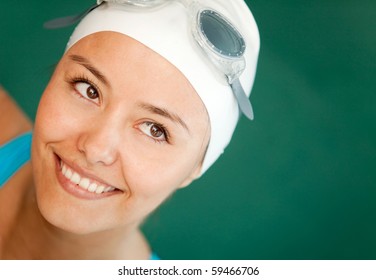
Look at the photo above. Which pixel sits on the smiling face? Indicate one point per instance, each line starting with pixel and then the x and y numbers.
pixel 116 133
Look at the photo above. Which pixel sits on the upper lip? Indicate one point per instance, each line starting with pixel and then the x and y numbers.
pixel 84 173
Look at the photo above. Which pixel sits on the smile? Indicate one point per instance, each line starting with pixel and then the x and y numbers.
pixel 83 182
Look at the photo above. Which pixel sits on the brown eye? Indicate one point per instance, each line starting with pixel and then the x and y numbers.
pixel 156 131
pixel 87 91
pixel 92 93
pixel 153 130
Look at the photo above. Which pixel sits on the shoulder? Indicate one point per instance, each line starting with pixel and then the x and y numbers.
pixel 13 120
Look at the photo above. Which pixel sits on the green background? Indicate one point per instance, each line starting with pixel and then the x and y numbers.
pixel 296 183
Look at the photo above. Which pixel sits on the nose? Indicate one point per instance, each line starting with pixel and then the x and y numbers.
pixel 99 143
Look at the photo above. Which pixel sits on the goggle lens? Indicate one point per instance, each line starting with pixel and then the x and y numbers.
pixel 226 40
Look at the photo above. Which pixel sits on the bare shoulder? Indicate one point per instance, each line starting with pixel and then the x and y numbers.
pixel 13 120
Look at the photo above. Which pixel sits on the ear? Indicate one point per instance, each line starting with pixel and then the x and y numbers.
pixel 193 176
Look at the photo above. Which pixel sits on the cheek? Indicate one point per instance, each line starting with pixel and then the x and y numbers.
pixel 154 180
pixel 55 118
pixel 159 171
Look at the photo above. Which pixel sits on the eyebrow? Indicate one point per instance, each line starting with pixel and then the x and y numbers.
pixel 86 63
pixel 164 113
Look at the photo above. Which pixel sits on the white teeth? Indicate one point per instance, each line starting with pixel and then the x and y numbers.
pixel 84 183
pixel 68 174
pixel 75 178
pixel 64 169
pixel 92 187
pixel 109 189
pixel 100 189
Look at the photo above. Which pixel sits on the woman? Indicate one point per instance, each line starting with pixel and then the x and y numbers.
pixel 142 103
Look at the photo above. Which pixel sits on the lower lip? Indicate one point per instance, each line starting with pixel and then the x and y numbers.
pixel 77 191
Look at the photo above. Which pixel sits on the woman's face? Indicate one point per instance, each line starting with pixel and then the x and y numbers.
pixel 118 130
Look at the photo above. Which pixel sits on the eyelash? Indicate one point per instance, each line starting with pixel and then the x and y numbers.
pixel 73 81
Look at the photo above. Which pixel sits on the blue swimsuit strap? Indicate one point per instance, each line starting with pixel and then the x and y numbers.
pixel 13 155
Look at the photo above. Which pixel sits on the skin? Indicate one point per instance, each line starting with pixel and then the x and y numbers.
pixel 12 120
pixel 103 114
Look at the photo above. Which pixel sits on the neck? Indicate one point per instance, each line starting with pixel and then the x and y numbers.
pixel 32 237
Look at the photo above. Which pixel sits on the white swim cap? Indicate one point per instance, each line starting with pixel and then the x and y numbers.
pixel 167 31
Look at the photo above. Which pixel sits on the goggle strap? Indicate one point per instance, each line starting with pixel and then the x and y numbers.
pixel 68 20
pixel 243 101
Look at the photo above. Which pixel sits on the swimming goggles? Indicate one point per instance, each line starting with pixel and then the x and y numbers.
pixel 220 41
